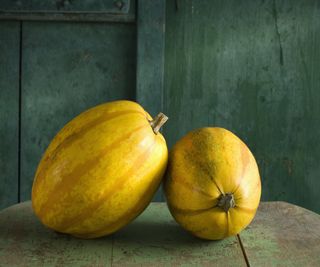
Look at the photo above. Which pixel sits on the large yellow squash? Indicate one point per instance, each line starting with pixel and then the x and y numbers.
pixel 212 184
pixel 100 171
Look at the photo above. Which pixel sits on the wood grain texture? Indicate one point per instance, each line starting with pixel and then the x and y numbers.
pixel 153 239
pixel 109 6
pixel 150 58
pixel 61 10
pixel 66 69
pixel 24 241
pixel 283 234
pixel 251 67
pixel 9 112
pixel 74 16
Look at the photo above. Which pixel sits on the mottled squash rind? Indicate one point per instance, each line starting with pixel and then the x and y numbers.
pixel 203 165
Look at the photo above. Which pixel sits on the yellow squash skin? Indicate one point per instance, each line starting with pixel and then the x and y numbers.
pixel 100 171
pixel 203 166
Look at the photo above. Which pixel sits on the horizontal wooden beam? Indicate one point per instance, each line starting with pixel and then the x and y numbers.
pixel 107 6
pixel 67 16
pixel 122 11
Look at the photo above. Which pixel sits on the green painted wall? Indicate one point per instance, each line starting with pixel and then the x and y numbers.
pixel 252 67
pixel 65 69
pixel 9 112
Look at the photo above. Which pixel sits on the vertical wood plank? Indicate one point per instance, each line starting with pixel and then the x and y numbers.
pixel 251 67
pixel 150 57
pixel 290 146
pixel 9 112
pixel 68 68
pixel 150 54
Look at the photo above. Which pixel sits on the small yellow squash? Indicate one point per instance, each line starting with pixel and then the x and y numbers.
pixel 212 184
pixel 101 170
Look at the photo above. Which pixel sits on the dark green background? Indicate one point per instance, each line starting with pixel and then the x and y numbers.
pixel 252 67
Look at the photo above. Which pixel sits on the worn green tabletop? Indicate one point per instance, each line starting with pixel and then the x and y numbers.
pixel 281 235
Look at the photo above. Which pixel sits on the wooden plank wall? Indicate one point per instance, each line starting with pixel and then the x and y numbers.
pixel 65 68
pixel 252 67
pixel 9 112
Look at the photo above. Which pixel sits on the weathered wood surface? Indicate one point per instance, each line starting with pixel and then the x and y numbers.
pixel 9 112
pixel 25 242
pixel 110 6
pixel 94 11
pixel 281 235
pixel 153 239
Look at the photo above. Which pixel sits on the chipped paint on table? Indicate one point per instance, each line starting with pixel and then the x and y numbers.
pixel 282 234
pixel 24 241
pixel 153 239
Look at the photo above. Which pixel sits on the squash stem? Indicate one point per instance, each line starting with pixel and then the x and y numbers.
pixel 158 121
pixel 226 202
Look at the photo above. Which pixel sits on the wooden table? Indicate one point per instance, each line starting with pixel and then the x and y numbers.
pixel 282 234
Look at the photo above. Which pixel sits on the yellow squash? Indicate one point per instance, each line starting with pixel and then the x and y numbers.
pixel 101 170
pixel 212 184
